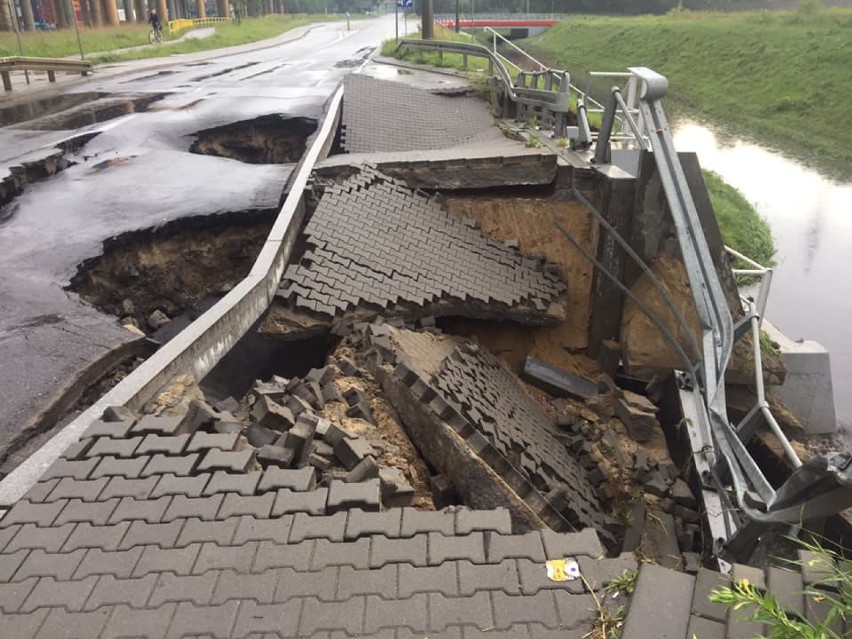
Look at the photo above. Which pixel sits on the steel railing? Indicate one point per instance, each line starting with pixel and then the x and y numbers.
pixel 764 273
pixel 51 65
pixel 182 24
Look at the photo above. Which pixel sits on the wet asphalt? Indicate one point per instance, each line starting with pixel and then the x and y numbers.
pixel 138 173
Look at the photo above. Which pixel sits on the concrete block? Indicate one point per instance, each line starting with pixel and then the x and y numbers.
pixel 366 469
pixel 279 456
pixel 272 415
pixel 363 495
pixel 351 452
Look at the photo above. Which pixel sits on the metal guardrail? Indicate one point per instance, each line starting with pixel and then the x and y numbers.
pixel 182 24
pixel 51 65
pixel 760 271
pixel 740 501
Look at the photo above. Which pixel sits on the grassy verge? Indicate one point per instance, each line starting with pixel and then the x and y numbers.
pixel 782 77
pixel 741 225
pixel 98 42
pixel 447 60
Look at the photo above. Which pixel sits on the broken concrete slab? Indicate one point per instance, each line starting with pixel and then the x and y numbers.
pixel 557 382
pixel 639 422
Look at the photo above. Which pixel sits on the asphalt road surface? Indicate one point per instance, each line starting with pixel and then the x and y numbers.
pixel 138 173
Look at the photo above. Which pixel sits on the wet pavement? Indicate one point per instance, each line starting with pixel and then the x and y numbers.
pixel 138 173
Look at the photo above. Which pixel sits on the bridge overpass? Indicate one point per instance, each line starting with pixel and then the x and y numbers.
pixel 520 25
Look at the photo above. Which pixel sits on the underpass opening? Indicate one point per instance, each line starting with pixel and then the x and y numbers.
pixel 268 139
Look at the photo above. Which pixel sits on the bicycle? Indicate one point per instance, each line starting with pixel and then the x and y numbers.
pixel 155 36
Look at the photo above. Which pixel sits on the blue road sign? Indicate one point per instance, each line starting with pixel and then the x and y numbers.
pixel 405 4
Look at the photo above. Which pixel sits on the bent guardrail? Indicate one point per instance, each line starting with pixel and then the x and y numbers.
pixel 51 65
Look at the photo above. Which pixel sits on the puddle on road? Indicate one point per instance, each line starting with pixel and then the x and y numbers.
pixel 32 109
pixel 101 110
pixel 268 139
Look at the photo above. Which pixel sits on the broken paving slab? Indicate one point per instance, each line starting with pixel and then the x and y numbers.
pixel 502 424
pixel 376 246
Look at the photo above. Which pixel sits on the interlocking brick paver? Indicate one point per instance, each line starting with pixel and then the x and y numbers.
pixel 279 620
pixel 13 595
pixel 233 585
pixel 22 625
pixel 126 622
pixel 447 611
pixel 117 429
pixel 109 590
pixel 61 624
pixel 237 558
pixel 234 505
pixel 378 581
pixel 40 491
pixel 443 578
pixel 119 563
pixel 141 533
pixel 106 446
pixel 136 488
pixel 24 512
pixel 115 466
pixel 330 527
pixel 86 535
pixel 362 523
pixel 412 613
pixel 224 482
pixel 74 469
pixel 91 512
pixel 271 555
pixel 48 539
pixel 158 425
pixel 183 507
pixel 214 621
pixel 301 584
pixel 149 510
pixel 203 441
pixel 252 529
pixel 528 546
pixel 350 553
pixel 413 551
pixel 300 480
pixel 534 578
pixel 177 560
pixel 38 563
pixel 167 445
pixel 87 489
pixel 231 461
pixel 169 587
pixel 171 484
pixel 540 608
pixel 312 503
pixel 470 547
pixel 502 576
pixel 497 520
pixel 324 615
pixel 160 464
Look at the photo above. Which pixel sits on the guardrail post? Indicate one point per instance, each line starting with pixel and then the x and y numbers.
pixel 603 154
pixel 464 61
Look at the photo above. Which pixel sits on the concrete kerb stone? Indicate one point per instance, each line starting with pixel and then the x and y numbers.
pixel 202 344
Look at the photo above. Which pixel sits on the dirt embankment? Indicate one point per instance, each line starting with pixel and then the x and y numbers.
pixel 172 268
pixel 532 222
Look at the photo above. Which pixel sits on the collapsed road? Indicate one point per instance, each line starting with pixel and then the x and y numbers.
pixel 414 440
pixel 121 156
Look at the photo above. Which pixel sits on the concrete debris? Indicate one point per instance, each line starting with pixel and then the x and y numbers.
pixel 443 493
pixel 364 470
pixel 681 493
pixel 157 320
pixel 655 484
pixel 636 416
pixel 557 382
pixel 396 490
pixel 352 452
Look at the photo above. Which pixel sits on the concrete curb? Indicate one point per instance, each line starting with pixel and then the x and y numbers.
pixel 203 343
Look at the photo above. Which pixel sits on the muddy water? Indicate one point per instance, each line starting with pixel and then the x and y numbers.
pixel 811 220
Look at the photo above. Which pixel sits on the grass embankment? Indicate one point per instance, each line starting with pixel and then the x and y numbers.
pixel 784 78
pixel 447 60
pixel 98 42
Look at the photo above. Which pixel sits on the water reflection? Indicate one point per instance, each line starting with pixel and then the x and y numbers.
pixel 811 220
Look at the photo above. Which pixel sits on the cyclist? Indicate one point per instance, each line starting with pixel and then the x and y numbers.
pixel 156 27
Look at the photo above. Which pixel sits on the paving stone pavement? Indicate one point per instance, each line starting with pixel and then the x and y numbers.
pixel 374 242
pixel 150 544
pixel 382 115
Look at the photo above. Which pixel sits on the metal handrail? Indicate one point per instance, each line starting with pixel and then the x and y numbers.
pixel 765 274
pixel 181 24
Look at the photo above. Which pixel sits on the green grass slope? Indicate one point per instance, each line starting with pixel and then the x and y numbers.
pixel 784 78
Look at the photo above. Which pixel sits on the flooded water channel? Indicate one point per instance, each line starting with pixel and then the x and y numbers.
pixel 811 220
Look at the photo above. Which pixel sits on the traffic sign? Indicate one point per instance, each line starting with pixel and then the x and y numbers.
pixel 405 4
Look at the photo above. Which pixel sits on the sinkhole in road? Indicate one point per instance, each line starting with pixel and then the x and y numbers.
pixel 268 139
pixel 149 276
